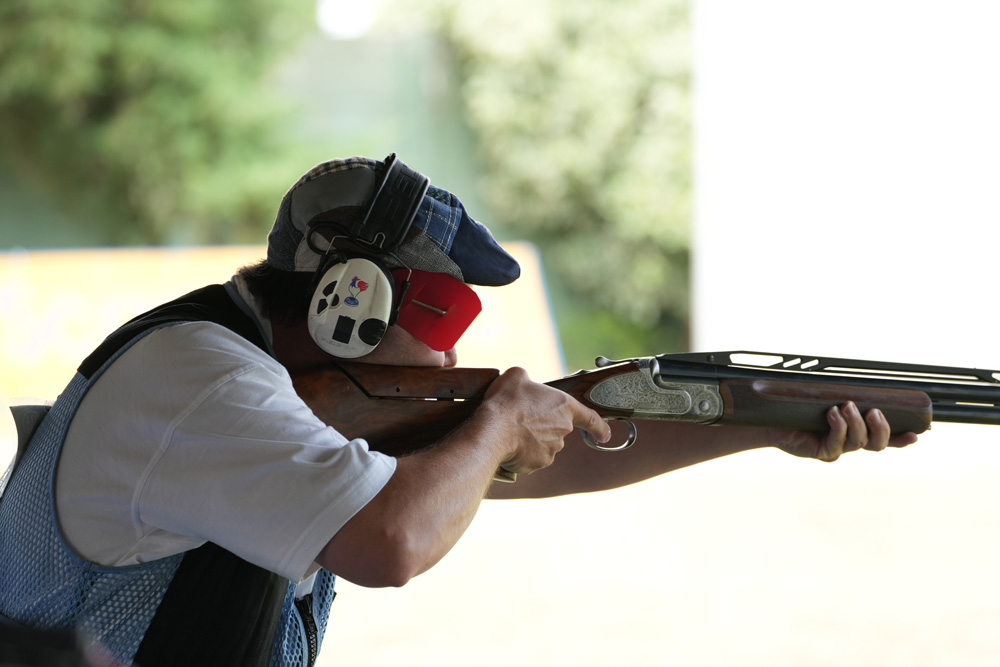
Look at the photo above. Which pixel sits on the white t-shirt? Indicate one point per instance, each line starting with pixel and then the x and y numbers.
pixel 194 434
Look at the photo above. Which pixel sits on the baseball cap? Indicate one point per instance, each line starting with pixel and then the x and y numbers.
pixel 443 237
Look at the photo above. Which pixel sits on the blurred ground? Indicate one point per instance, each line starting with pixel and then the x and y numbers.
pixel 755 560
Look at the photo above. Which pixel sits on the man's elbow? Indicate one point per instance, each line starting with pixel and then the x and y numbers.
pixel 389 565
pixel 389 560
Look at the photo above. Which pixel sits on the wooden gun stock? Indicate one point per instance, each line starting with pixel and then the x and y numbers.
pixel 398 410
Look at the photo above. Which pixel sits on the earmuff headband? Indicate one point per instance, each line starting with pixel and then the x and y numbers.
pixel 390 199
pixel 394 206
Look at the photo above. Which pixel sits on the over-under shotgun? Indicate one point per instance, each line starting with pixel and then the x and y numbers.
pixel 401 409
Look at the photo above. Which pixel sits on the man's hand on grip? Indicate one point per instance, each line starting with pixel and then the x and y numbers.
pixel 536 419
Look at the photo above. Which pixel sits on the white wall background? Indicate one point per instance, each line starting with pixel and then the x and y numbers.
pixel 848 161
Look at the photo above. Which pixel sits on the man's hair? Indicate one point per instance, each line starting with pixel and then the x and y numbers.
pixel 284 295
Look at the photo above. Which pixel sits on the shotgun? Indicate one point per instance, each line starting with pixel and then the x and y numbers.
pixel 399 410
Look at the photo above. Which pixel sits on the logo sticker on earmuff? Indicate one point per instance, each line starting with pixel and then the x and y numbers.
pixel 356 287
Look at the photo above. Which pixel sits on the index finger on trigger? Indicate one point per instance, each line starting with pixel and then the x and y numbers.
pixel 591 422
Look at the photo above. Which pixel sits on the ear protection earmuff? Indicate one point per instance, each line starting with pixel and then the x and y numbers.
pixel 351 307
pixel 354 297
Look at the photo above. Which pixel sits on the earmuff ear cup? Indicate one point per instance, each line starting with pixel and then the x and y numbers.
pixel 351 307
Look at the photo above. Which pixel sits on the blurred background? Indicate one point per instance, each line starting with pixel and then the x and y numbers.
pixel 812 178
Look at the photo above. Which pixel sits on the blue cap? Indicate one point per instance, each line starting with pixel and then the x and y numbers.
pixel 443 237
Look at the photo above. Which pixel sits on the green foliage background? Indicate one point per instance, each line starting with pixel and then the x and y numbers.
pixel 150 120
pixel 158 122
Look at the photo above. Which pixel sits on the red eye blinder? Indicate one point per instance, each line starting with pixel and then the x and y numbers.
pixel 436 308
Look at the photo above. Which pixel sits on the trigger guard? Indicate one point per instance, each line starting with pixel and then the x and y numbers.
pixel 628 442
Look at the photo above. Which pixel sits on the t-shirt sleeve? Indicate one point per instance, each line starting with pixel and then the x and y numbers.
pixel 248 466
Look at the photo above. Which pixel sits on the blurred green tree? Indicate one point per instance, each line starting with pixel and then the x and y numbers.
pixel 149 114
pixel 582 115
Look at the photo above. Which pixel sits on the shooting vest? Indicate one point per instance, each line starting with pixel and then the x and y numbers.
pixel 203 607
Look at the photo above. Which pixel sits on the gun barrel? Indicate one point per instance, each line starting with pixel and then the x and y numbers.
pixel 962 395
pixel 961 413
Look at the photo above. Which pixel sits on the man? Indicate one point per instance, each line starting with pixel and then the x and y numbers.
pixel 180 504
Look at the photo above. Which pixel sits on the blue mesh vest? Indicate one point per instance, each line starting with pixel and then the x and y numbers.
pixel 203 607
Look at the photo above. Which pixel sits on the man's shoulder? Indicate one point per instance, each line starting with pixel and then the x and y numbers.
pixel 201 344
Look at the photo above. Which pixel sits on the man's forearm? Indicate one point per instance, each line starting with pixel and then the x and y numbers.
pixel 662 446
pixel 421 513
